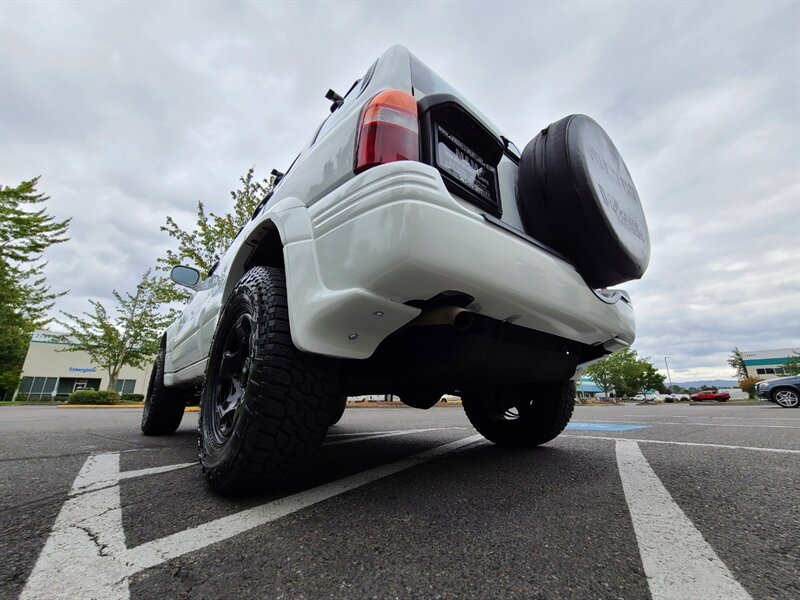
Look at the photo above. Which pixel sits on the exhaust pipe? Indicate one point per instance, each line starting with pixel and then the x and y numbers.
pixel 460 318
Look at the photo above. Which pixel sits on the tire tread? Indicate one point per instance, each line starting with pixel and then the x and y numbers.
pixel 288 404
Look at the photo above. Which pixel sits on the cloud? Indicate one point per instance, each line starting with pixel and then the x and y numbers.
pixel 132 111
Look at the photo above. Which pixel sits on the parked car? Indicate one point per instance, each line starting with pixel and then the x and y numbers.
pixel 711 395
pixel 411 249
pixel 783 391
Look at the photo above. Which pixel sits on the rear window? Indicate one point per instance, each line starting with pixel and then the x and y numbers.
pixel 425 82
pixel 354 92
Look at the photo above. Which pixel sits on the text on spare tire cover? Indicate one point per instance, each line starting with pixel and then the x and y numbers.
pixel 629 223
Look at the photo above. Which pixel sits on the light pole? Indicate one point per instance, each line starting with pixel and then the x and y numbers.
pixel 668 375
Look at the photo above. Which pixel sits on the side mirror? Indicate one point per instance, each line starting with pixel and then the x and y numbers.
pixel 186 276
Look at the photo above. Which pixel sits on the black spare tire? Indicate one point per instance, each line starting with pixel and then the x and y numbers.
pixel 576 195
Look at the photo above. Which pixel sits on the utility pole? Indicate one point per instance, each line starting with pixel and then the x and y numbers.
pixel 668 375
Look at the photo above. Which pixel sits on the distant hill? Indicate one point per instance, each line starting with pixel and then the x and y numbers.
pixel 723 383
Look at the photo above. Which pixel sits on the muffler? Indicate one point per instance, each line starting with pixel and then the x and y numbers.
pixel 460 318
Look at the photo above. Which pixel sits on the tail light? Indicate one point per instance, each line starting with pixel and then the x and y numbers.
pixel 389 130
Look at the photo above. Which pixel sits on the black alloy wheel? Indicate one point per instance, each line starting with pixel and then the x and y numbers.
pixel 266 406
pixel 233 374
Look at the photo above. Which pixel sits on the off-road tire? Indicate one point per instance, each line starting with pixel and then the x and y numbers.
pixel 163 406
pixel 338 411
pixel 542 413
pixel 287 396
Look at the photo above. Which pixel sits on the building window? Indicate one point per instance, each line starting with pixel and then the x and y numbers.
pixel 779 371
pixel 37 388
pixel 760 371
pixel 770 371
pixel 125 386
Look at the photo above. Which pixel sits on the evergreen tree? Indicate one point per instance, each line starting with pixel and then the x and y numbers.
pixel 26 231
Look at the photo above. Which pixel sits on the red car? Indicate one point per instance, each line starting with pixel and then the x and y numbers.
pixel 711 395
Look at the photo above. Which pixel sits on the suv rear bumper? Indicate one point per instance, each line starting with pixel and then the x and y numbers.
pixel 395 234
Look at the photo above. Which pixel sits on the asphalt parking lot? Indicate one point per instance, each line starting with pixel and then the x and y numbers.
pixel 669 501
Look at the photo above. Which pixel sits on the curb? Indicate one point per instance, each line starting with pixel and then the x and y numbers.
pixel 137 405
pixel 726 403
pixel 194 409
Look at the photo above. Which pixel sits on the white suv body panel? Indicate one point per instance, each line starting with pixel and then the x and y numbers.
pixel 356 248
pixel 395 234
pixel 390 235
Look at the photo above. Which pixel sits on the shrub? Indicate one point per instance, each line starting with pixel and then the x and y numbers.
pixel 748 384
pixel 685 399
pixel 34 398
pixel 93 397
pixel 133 397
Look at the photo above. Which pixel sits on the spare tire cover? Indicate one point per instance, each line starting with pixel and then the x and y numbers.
pixel 576 195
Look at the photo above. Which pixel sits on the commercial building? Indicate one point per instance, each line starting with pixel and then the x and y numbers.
pixel 586 388
pixel 768 364
pixel 50 372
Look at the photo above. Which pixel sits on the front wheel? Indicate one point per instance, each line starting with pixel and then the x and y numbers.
pixel 521 417
pixel 266 405
pixel 338 411
pixel 163 406
pixel 787 398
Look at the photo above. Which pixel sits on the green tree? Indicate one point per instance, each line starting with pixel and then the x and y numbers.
pixel 625 373
pixel 130 337
pixel 736 360
pixel 792 366
pixel 202 245
pixel 606 373
pixel 26 231
pixel 645 377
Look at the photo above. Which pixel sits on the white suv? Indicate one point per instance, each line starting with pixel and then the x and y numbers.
pixel 410 249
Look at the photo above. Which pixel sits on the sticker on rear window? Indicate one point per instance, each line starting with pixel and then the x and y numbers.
pixel 460 162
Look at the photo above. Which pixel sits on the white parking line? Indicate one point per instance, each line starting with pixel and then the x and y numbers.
pixel 86 555
pixel 382 434
pixel 354 433
pixel 677 560
pixel 716 417
pixel 158 551
pixel 645 441
pixel 692 423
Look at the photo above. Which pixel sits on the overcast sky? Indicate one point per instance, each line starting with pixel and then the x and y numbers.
pixel 134 111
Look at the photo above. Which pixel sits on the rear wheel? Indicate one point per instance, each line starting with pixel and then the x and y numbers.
pixel 520 417
pixel 163 406
pixel 266 405
pixel 787 398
